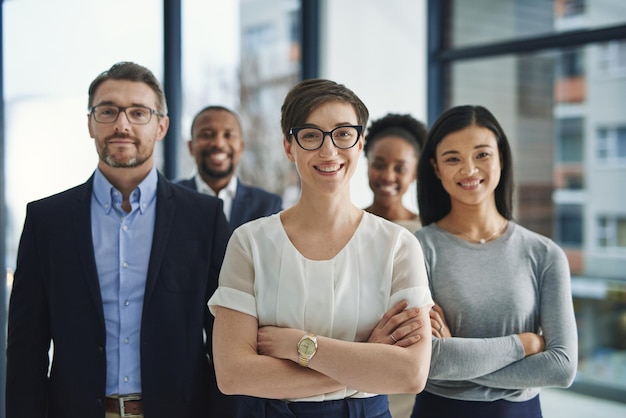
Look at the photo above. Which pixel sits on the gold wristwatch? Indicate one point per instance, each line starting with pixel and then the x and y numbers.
pixel 307 347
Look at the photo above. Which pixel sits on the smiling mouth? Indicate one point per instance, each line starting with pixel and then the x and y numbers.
pixel 216 157
pixel 121 143
pixel 470 183
pixel 329 168
pixel 388 189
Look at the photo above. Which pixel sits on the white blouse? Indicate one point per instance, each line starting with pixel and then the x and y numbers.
pixel 265 276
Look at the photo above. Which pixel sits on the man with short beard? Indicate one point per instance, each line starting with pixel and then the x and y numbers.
pixel 116 273
pixel 216 145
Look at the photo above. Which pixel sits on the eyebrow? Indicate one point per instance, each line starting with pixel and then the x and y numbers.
pixel 338 125
pixel 476 147
pixel 395 160
pixel 112 103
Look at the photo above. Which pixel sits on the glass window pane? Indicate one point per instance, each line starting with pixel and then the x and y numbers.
pixel 621 142
pixel 547 133
pixel 487 21
pixel 570 225
pixel 570 139
pixel 602 150
pixel 552 103
pixel 51 57
pixel 270 66
pixel 570 7
pixel 621 233
pixel 570 63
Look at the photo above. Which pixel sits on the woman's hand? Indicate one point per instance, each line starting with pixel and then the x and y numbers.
pixel 438 323
pixel 278 342
pixel 533 343
pixel 398 326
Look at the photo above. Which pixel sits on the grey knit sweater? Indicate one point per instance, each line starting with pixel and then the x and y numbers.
pixel 489 292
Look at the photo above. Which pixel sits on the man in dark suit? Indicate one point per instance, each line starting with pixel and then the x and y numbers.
pixel 116 273
pixel 216 145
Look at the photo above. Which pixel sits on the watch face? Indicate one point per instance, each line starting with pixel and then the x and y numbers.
pixel 306 347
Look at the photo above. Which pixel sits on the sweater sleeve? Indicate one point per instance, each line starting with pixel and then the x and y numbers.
pixel 471 358
pixel 556 365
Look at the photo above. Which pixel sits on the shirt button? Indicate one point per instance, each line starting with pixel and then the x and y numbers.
pixel 126 379
pixel 125 340
pixel 125 227
pixel 126 302
pixel 125 264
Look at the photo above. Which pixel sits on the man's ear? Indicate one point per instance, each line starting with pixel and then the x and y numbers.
pixel 91 134
pixel 164 124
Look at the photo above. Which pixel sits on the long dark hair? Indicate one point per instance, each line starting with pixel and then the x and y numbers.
pixel 432 198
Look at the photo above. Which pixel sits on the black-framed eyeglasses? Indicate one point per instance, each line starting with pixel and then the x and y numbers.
pixel 343 137
pixel 138 115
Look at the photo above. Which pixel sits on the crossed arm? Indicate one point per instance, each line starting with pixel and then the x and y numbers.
pixel 263 362
pixel 516 361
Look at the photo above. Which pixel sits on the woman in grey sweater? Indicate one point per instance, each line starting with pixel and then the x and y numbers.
pixel 503 324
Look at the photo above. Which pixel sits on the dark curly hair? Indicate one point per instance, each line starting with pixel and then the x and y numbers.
pixel 403 125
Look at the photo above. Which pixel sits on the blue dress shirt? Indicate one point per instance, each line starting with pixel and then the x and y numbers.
pixel 122 243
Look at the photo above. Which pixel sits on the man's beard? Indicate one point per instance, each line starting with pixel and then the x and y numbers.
pixel 131 162
pixel 206 171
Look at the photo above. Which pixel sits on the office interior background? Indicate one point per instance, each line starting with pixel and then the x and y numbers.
pixel 552 71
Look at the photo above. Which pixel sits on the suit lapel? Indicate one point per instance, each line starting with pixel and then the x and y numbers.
pixel 239 206
pixel 165 209
pixel 82 232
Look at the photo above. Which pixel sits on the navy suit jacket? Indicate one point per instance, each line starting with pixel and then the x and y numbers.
pixel 249 203
pixel 56 296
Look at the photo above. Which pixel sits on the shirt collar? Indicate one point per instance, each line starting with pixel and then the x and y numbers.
pixel 228 191
pixel 145 192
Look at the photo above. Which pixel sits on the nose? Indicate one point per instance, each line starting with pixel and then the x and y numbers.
pixel 122 123
pixel 328 147
pixel 468 168
pixel 388 174
pixel 218 140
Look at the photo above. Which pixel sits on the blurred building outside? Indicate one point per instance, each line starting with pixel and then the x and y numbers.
pixel 562 108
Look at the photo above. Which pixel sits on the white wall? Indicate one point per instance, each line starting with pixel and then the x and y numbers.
pixel 378 49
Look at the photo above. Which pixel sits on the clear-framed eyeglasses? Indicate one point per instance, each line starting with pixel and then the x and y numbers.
pixel 138 115
pixel 343 137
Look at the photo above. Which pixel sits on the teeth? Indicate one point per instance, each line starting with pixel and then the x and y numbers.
pixel 473 183
pixel 388 189
pixel 221 156
pixel 328 168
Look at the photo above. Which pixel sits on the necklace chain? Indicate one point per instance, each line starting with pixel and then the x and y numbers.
pixel 483 240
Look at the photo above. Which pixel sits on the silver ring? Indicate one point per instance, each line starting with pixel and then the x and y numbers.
pixel 441 328
pixel 394 340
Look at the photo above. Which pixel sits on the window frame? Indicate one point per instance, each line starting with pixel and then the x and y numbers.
pixel 609 146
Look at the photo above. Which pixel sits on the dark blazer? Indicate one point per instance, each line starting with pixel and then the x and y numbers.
pixel 56 296
pixel 249 203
